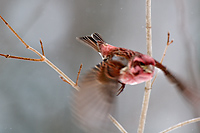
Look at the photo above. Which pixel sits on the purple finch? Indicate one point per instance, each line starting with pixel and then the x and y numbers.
pixel 99 86
pixel 124 65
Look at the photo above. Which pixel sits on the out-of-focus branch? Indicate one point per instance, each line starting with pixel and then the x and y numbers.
pixel 117 124
pixel 181 124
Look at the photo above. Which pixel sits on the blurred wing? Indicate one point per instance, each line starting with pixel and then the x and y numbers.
pixel 95 100
pixel 191 94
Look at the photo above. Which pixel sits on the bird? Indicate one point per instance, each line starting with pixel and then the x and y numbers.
pixel 100 86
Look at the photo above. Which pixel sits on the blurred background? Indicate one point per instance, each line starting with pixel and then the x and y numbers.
pixel 33 99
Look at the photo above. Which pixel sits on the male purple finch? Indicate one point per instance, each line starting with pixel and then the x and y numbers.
pixel 100 85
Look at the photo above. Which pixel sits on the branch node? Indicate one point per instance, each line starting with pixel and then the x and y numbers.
pixel 65 80
pixel 168 38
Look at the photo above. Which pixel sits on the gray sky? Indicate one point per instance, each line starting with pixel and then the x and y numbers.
pixel 33 99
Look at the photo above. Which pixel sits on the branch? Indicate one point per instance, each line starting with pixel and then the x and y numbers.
pixel 117 124
pixel 168 43
pixel 181 124
pixel 148 83
pixel 42 57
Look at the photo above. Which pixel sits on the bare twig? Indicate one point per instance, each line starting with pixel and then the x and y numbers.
pixel 164 53
pixel 42 47
pixel 78 74
pixel 148 83
pixel 42 57
pixel 117 124
pixel 181 124
pixel 168 43
pixel 76 84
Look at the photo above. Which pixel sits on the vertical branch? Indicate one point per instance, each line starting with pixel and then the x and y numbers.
pixel 148 28
pixel 148 83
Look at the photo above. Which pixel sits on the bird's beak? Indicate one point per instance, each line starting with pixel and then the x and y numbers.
pixel 147 68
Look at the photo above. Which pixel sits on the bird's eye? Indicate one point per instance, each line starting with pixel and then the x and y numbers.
pixel 120 59
pixel 141 64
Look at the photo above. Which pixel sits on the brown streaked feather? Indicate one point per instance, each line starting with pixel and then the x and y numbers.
pixel 93 41
pixel 89 41
pixel 95 100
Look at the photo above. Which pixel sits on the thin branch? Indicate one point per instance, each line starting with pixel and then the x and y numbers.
pixel 164 53
pixel 76 84
pixel 21 58
pixel 148 83
pixel 117 124
pixel 144 109
pixel 42 57
pixel 42 47
pixel 62 74
pixel 181 124
pixel 78 74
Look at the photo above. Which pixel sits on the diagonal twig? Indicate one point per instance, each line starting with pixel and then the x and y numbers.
pixel 164 53
pixel 181 124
